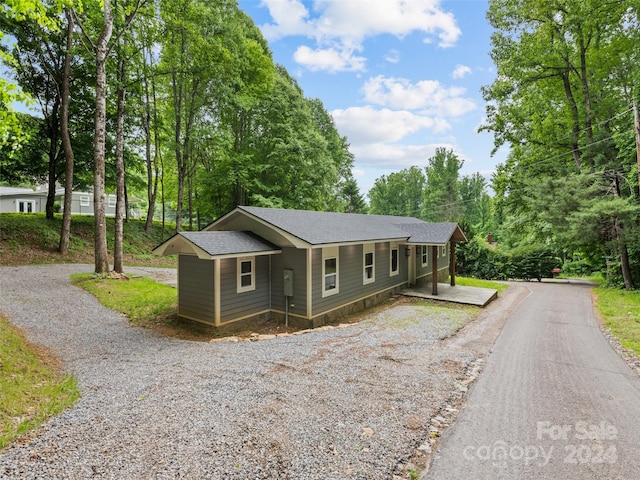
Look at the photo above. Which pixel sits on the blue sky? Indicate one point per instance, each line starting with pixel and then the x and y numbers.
pixel 399 77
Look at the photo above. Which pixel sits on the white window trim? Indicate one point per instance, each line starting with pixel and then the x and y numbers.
pixel 111 201
pixel 327 254
pixel 425 255
pixel 252 286
pixel 443 251
pixel 368 248
pixel 396 248
pixel 85 201
pixel 25 202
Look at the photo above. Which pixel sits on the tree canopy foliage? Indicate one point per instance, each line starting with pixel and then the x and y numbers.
pixel 179 99
pixel 568 75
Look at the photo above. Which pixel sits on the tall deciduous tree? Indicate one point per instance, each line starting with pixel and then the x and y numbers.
pixel 442 201
pixel 101 50
pixel 65 230
pixel 399 193
pixel 561 102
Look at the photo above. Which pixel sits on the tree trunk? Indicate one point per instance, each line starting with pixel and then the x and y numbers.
pixel 66 140
pixel 575 131
pixel 177 112
pixel 622 244
pixel 54 131
pixel 152 162
pixel 120 193
pixel 588 121
pixel 624 258
pixel 100 224
pixel 636 127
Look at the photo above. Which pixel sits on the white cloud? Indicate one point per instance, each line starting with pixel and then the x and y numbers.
pixel 359 19
pixel 395 157
pixel 364 125
pixel 393 56
pixel 329 59
pixel 460 71
pixel 430 96
pixel 290 17
pixel 344 24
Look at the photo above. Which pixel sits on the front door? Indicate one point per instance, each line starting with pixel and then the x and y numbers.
pixel 412 265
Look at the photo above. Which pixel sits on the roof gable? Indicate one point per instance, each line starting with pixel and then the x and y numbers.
pixel 216 244
pixel 434 233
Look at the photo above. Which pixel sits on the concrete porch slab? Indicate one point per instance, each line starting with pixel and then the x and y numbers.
pixel 458 294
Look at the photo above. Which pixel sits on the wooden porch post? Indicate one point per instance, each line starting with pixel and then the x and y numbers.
pixel 452 263
pixel 434 270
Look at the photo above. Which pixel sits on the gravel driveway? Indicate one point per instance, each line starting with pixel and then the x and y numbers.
pixel 353 402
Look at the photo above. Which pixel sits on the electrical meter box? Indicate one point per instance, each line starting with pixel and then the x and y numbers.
pixel 288 283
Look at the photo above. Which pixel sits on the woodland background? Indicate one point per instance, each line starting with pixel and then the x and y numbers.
pixel 178 105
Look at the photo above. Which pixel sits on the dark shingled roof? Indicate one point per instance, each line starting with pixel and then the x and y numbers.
pixel 317 228
pixel 229 243
pixel 433 233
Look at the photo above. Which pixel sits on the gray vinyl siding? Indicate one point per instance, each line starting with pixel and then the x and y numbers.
pixel 234 305
pixel 443 262
pixel 350 275
pixel 195 288
pixel 294 259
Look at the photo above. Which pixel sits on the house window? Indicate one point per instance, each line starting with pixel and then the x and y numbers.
pixel 111 201
pixel 369 273
pixel 26 206
pixel 443 251
pixel 425 256
pixel 394 261
pixel 246 274
pixel 330 270
pixel 84 201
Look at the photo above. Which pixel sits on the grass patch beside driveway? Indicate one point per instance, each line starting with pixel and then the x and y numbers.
pixel 31 389
pixel 620 312
pixel 144 301
pixel 478 283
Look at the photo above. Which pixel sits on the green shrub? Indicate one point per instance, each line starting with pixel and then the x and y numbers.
pixel 478 259
pixel 531 261
pixel 577 268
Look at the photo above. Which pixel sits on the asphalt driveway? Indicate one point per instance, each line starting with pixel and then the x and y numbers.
pixel 554 401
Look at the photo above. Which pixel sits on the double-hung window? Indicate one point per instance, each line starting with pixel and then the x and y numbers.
pixel 394 260
pixel 84 201
pixel 369 256
pixel 246 274
pixel 425 255
pixel 330 271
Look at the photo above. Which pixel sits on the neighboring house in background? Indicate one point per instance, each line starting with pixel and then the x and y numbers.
pixel 308 267
pixel 22 200
pixel 26 200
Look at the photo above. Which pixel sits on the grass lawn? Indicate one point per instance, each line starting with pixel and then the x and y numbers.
pixel 476 282
pixel 620 311
pixel 142 300
pixel 31 387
